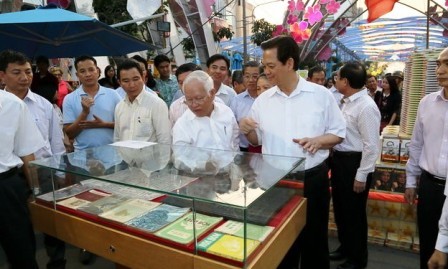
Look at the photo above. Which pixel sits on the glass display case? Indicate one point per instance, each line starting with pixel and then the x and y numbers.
pixel 214 205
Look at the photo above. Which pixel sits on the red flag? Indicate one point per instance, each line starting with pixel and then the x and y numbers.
pixel 378 8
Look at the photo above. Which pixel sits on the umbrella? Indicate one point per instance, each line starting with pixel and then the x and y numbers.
pixel 58 33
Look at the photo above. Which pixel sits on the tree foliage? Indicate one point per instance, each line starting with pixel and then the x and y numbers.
pixel 111 12
pixel 261 31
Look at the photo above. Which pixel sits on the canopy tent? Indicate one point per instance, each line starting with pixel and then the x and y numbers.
pixel 58 33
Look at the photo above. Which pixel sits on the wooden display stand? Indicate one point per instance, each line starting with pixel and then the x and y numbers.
pixel 134 252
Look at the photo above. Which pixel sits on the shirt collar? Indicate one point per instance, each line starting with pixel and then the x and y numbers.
pixel 221 90
pixel 137 99
pixel 30 96
pixel 101 91
pixel 302 86
pixel 440 96
pixel 357 95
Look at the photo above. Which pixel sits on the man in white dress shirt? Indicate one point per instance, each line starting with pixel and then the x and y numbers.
pixel 428 153
pixel 140 115
pixel 47 121
pixel 352 165
pixel 19 140
pixel 218 67
pixel 207 123
pixel 298 118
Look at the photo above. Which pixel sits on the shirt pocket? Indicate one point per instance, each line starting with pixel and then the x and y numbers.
pixel 144 127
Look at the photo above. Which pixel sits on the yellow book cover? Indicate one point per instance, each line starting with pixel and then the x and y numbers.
pixel 228 246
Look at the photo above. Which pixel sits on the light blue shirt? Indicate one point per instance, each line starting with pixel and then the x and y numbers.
pixel 104 108
pixel 240 106
pixel 122 93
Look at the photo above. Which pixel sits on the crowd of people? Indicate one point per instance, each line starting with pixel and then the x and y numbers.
pixel 270 109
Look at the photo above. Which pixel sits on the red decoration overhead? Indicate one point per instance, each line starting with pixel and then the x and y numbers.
pixel 60 3
pixel 378 8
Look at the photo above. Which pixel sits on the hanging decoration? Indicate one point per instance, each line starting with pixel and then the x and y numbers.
pixel 301 19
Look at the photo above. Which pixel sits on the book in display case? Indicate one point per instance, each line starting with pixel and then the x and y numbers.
pixel 146 205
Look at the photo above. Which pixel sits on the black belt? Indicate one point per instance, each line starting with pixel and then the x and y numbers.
pixel 347 153
pixel 9 173
pixel 436 179
pixel 308 173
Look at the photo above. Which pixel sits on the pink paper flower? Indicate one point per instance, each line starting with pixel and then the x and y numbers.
pixel 301 6
pixel 279 30
pixel 325 54
pixel 300 31
pixel 333 7
pixel 313 14
pixel 291 5
pixel 446 3
pixel 324 1
pixel 292 19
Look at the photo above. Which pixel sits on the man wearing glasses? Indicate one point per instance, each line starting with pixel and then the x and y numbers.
pixel 242 103
pixel 207 123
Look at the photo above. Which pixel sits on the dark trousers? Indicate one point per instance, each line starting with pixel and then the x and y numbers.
pixel 429 210
pixel 310 249
pixel 350 207
pixel 16 231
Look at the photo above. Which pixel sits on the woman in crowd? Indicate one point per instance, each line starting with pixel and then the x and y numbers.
pixel 263 83
pixel 389 102
pixel 63 87
pixel 109 80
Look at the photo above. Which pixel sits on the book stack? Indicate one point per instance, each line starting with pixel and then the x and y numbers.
pixel 83 199
pixel 228 246
pixel 128 210
pixel 185 229
pixel 158 218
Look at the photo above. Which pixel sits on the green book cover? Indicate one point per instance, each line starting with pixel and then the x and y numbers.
pixel 253 231
pixel 181 231
pixel 228 246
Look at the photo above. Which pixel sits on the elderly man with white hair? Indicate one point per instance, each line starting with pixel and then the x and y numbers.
pixel 207 123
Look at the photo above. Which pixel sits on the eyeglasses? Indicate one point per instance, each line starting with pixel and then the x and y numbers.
pixel 254 76
pixel 197 101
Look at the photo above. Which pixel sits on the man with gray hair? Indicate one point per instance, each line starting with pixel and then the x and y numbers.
pixel 207 123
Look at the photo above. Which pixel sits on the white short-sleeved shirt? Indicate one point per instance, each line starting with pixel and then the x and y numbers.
pixel 20 136
pixel 309 111
pixel 219 131
pixel 48 123
pixel 145 119
pixel 105 102
pixel 226 94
